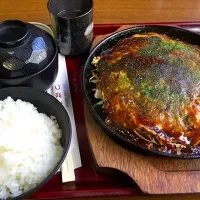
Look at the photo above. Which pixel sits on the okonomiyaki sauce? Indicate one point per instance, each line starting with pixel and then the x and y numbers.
pixel 150 86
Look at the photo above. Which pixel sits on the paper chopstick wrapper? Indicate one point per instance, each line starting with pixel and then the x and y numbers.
pixel 61 90
pixel 68 169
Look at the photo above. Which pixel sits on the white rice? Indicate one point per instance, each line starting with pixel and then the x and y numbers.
pixel 29 147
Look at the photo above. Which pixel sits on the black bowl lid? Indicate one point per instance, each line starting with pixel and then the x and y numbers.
pixel 24 49
pixel 13 33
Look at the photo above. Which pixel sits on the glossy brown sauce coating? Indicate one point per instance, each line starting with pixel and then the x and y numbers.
pixel 150 85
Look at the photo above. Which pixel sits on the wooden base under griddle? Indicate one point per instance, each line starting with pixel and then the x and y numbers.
pixel 153 174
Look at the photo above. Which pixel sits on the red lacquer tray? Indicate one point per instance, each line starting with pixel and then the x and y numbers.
pixel 89 182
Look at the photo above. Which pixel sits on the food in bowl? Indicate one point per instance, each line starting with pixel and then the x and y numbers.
pixel 149 84
pixel 29 147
